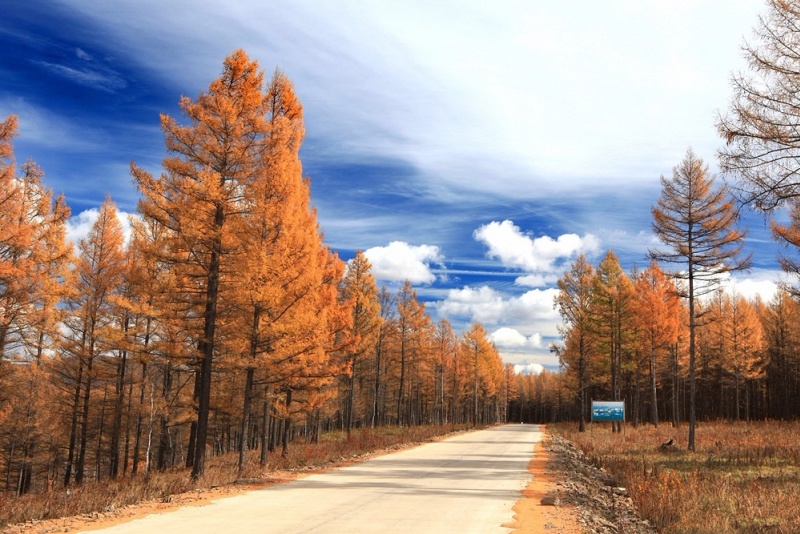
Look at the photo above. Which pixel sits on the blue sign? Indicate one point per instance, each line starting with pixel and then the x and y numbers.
pixel 608 410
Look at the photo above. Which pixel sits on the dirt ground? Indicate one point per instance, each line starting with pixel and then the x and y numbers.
pixel 530 515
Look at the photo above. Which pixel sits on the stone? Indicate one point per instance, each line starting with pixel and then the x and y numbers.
pixel 549 500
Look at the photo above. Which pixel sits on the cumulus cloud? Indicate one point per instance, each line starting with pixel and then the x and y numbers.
pixel 78 226
pixel 515 249
pixel 528 368
pixel 401 261
pixel 759 284
pixel 489 306
pixel 512 339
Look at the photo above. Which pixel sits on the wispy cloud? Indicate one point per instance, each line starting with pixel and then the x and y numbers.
pixel 92 79
pixel 52 130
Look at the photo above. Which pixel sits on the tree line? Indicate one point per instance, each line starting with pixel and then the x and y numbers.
pixel 222 324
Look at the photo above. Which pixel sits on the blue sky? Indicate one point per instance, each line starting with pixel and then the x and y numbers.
pixel 474 148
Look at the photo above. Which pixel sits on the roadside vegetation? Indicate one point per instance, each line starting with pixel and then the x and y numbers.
pixel 333 448
pixel 740 478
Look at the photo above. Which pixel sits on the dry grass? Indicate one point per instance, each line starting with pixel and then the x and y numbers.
pixel 740 478
pixel 333 449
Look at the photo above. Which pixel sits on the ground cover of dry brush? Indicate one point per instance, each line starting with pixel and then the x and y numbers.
pixel 742 477
pixel 108 498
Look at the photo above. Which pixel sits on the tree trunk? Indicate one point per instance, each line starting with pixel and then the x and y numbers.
pixel 248 393
pixel 351 389
pixel 139 419
pixel 116 429
pixel 692 379
pixel 265 424
pixel 402 381
pixel 653 391
pixel 377 392
pixel 287 425
pixel 140 415
pixel 207 347
pixel 73 433
pixel 79 467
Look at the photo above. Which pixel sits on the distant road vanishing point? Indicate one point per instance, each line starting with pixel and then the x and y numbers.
pixel 464 484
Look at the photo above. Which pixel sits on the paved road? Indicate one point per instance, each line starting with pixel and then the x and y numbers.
pixel 464 484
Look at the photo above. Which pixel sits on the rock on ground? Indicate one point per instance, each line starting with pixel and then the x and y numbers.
pixel 602 506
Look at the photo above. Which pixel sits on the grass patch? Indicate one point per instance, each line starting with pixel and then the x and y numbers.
pixel 740 478
pixel 334 448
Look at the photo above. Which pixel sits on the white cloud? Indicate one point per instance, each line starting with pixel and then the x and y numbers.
pixel 515 249
pixel 528 368
pixel 512 339
pixel 78 226
pixel 104 79
pixel 761 283
pixel 401 261
pixel 536 280
pixel 489 306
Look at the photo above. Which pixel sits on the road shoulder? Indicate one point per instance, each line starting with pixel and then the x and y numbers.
pixel 530 515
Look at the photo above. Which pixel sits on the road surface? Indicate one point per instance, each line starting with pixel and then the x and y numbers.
pixel 468 483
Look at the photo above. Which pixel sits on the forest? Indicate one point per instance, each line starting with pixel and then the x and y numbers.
pixel 224 324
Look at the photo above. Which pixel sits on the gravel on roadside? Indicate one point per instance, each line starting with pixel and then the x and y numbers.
pixel 603 507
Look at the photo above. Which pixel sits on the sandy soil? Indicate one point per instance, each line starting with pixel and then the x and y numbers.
pixel 532 516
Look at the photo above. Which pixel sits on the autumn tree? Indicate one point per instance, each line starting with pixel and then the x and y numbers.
pixel 412 322
pixel 760 128
pixel 210 161
pixel 386 333
pixel 782 341
pixel 100 266
pixel 696 224
pixel 573 302
pixel 746 360
pixel 359 287
pixel 657 316
pixel 445 356
pixel 611 318
pixel 280 265
pixel 34 255
pixel 486 373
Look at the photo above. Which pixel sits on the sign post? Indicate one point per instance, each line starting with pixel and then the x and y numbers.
pixel 608 411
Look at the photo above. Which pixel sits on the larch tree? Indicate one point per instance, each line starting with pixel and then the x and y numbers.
pixel 446 357
pixel 209 164
pixel 386 330
pixel 696 223
pixel 100 267
pixel 657 316
pixel 412 322
pixel 746 360
pixel 278 270
pixel 34 254
pixel 789 233
pixel 574 302
pixel 611 311
pixel 782 340
pixel 359 287
pixel 761 128
pixel 476 351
